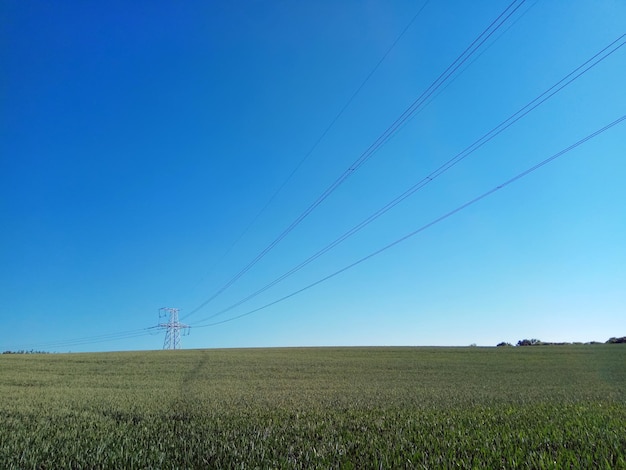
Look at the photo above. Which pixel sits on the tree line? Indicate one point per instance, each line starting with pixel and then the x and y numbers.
pixel 23 351
pixel 537 342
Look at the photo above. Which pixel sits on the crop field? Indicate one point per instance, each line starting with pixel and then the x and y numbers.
pixel 523 407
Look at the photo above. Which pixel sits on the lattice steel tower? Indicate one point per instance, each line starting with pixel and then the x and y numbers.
pixel 172 328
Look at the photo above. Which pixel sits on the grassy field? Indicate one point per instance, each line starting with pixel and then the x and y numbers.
pixel 529 407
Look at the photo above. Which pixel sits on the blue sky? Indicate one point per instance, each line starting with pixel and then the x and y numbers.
pixel 141 140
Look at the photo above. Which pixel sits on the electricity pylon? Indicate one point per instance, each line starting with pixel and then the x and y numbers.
pixel 172 328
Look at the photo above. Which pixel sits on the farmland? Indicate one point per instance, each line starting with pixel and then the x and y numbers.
pixel 539 407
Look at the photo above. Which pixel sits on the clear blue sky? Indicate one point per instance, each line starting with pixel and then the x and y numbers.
pixel 139 140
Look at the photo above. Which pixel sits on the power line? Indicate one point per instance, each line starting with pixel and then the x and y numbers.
pixel 543 97
pixel 369 152
pixel 90 339
pixel 468 65
pixel 320 138
pixel 428 225
pixel 380 141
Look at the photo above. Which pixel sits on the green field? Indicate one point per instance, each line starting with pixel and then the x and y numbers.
pixel 523 407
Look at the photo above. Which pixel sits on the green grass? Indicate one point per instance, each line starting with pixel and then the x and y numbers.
pixel 533 407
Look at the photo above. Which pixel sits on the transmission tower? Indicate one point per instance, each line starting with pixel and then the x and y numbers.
pixel 172 328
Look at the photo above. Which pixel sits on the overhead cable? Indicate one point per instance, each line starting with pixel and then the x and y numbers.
pixel 62 344
pixel 318 141
pixel 554 89
pixel 380 141
pixel 428 225
pixel 324 133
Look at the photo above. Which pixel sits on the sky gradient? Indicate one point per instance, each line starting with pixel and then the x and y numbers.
pixel 143 146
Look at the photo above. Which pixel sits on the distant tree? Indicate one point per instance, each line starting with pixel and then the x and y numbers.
pixel 528 342
pixel 614 340
pixel 502 344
